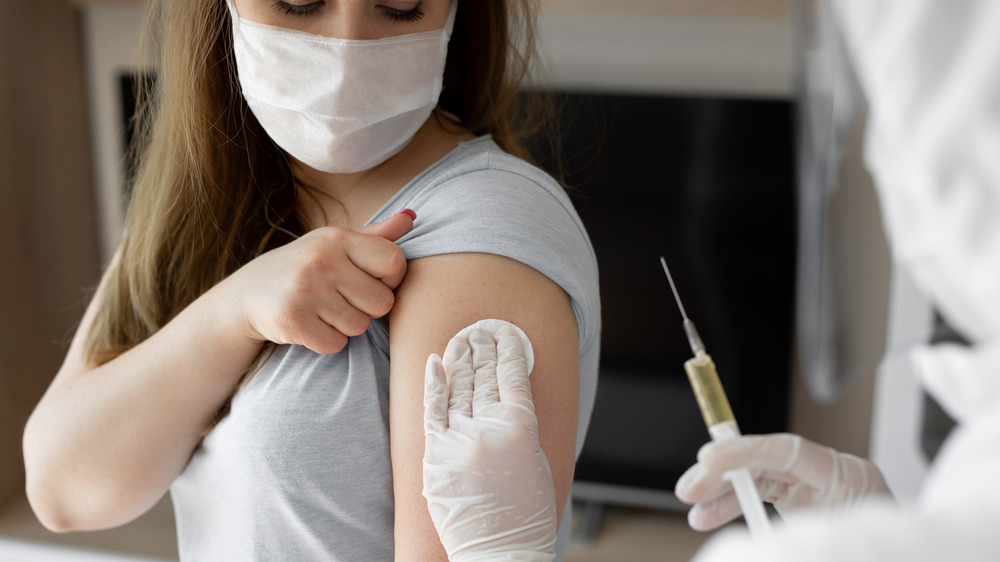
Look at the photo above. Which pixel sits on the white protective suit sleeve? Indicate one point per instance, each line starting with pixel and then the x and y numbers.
pixel 930 70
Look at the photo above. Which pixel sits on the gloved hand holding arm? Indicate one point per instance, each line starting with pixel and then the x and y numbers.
pixel 791 472
pixel 486 480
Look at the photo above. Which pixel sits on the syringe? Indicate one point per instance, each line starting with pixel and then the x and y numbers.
pixel 719 418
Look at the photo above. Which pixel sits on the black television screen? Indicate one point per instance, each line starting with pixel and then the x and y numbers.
pixel 708 183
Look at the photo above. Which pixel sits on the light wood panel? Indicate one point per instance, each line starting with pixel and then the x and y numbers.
pixel 48 246
pixel 728 8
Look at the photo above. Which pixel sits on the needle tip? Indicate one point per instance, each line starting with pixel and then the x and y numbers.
pixel 673 287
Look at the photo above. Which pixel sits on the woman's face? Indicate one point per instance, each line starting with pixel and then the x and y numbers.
pixel 349 19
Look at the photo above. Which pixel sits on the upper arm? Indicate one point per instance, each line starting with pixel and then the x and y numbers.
pixel 440 296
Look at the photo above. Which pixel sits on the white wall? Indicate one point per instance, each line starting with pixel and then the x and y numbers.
pixel 112 47
pixel 668 54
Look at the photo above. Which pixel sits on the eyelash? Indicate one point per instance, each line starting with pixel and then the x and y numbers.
pixel 406 16
pixel 296 9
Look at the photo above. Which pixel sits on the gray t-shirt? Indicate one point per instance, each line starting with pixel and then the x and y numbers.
pixel 300 468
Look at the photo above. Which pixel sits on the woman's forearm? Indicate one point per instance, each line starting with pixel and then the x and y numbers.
pixel 104 443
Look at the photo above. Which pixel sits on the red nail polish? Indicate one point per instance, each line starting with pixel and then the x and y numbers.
pixel 413 216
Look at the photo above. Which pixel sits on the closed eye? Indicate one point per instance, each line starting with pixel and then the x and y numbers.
pixel 290 9
pixel 406 16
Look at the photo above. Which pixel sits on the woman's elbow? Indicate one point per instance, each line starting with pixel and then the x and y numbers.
pixel 41 483
pixel 83 509
pixel 49 511
pixel 62 499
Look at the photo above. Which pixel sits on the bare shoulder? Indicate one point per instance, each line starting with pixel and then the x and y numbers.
pixel 445 293
pixel 471 284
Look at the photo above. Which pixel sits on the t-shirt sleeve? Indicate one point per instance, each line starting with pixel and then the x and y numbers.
pixel 522 215
pixel 489 202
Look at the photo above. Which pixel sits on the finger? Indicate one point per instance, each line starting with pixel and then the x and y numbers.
pixel 513 383
pixel 700 484
pixel 711 515
pixel 688 484
pixel 461 377
pixel 371 296
pixel 342 316
pixel 376 256
pixel 320 337
pixel 784 457
pixel 777 453
pixel 484 363
pixel 435 396
pixel 393 227
pixel 714 502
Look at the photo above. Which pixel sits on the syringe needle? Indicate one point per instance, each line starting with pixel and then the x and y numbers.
pixel 694 339
pixel 673 287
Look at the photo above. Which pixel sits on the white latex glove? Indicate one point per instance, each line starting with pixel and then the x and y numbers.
pixel 487 482
pixel 790 472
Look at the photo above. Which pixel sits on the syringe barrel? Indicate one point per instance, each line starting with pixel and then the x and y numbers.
pixel 708 390
pixel 721 425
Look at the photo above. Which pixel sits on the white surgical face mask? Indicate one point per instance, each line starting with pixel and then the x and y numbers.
pixel 339 105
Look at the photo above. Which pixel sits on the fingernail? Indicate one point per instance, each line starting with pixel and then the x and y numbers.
pixel 413 216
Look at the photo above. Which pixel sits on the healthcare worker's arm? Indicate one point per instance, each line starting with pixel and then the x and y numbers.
pixel 790 472
pixel 930 71
pixel 486 480
pixel 440 296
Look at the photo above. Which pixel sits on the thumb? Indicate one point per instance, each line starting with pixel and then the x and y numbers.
pixel 393 227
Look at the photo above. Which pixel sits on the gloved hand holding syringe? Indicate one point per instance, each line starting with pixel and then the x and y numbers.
pixel 719 418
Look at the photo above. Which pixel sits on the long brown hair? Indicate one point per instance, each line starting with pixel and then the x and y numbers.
pixel 209 182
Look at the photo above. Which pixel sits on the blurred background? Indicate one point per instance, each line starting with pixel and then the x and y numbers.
pixel 735 120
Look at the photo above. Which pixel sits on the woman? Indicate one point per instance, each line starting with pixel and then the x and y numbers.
pixel 263 253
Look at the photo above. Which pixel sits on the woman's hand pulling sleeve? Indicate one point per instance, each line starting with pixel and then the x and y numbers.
pixel 791 472
pixel 487 482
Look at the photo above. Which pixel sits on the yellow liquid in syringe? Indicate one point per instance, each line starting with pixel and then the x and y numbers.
pixel 708 390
